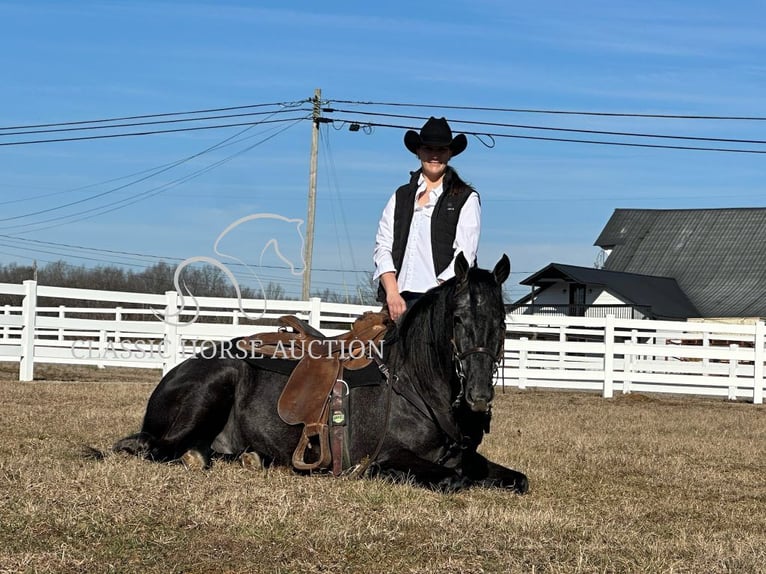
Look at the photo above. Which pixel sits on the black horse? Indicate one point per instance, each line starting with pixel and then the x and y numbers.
pixel 423 423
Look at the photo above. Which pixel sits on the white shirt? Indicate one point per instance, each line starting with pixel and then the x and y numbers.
pixel 417 273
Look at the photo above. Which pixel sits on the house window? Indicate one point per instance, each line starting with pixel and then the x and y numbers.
pixel 577 300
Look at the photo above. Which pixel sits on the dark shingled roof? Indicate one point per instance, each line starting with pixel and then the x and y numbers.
pixel 717 256
pixel 662 294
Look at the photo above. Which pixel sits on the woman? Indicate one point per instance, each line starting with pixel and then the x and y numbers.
pixel 427 221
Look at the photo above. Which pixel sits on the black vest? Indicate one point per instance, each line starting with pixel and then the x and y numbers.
pixel 443 223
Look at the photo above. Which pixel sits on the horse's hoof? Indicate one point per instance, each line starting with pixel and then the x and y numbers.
pixel 251 460
pixel 521 485
pixel 193 460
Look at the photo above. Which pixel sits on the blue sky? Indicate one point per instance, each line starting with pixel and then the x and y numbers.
pixel 124 201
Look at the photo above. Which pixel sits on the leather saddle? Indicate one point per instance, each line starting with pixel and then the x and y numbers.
pixel 317 379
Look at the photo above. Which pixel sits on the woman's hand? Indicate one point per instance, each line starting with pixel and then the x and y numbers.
pixel 394 302
pixel 396 305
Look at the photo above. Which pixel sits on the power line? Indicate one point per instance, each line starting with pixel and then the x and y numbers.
pixel 170 114
pixel 226 142
pixel 103 209
pixel 154 122
pixel 153 173
pixel 548 111
pixel 566 140
pixel 334 190
pixel 146 194
pixel 556 129
pixel 24 257
pixel 146 133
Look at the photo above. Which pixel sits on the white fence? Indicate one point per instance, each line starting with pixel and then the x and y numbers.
pixel 577 353
pixel 627 355
pixel 139 329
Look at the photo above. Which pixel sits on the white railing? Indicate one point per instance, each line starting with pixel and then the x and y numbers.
pixel 633 355
pixel 607 355
pixel 140 329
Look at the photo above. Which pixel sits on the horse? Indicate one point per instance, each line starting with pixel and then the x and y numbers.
pixel 421 423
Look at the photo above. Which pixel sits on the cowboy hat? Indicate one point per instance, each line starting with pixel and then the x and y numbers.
pixel 435 133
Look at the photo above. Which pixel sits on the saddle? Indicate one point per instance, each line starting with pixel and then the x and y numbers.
pixel 317 380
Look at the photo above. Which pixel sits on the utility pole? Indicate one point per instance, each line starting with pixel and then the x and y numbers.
pixel 309 251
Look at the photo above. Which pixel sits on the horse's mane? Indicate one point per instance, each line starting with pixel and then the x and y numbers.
pixel 426 329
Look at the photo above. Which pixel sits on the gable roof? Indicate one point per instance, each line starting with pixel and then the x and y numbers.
pixel 662 294
pixel 717 256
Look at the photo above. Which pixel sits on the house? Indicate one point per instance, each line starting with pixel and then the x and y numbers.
pixel 585 291
pixel 665 263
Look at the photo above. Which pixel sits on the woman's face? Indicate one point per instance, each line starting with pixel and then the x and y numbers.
pixel 434 161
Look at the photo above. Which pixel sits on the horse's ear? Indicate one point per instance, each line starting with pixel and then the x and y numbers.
pixel 461 267
pixel 502 269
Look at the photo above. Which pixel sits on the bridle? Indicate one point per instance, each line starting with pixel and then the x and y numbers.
pixel 457 360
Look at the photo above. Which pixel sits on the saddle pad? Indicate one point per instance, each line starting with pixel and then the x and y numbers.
pixel 282 366
pixel 306 392
pixel 368 376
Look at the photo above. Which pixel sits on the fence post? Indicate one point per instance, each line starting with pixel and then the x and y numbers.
pixel 523 363
pixel 62 316
pixel 760 331
pixel 29 316
pixel 118 320
pixel 102 346
pixel 315 312
pixel 628 360
pixel 733 372
pixel 501 374
pixel 705 360
pixel 170 354
pixel 562 340
pixel 608 391
pixel 7 328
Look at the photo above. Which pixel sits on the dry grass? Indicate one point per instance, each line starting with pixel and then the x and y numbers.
pixel 634 484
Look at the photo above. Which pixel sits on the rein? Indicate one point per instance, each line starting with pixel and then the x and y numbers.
pixel 359 469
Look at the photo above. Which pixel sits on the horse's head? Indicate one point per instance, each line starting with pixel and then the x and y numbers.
pixel 478 330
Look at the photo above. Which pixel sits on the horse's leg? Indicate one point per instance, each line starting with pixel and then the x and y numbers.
pixel 230 446
pixel 476 471
pixel 437 478
pixel 255 433
pixel 483 472
pixel 406 466
pixel 193 459
pixel 412 442
pixel 186 411
pixel 251 460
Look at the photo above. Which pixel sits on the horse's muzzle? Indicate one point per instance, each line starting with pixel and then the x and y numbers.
pixel 479 406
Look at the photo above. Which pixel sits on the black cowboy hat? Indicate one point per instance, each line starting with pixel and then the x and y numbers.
pixel 435 133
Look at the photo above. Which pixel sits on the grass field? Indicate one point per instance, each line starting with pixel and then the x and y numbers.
pixel 632 484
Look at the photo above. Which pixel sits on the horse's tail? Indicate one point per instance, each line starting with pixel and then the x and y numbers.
pixel 91 453
pixel 139 444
